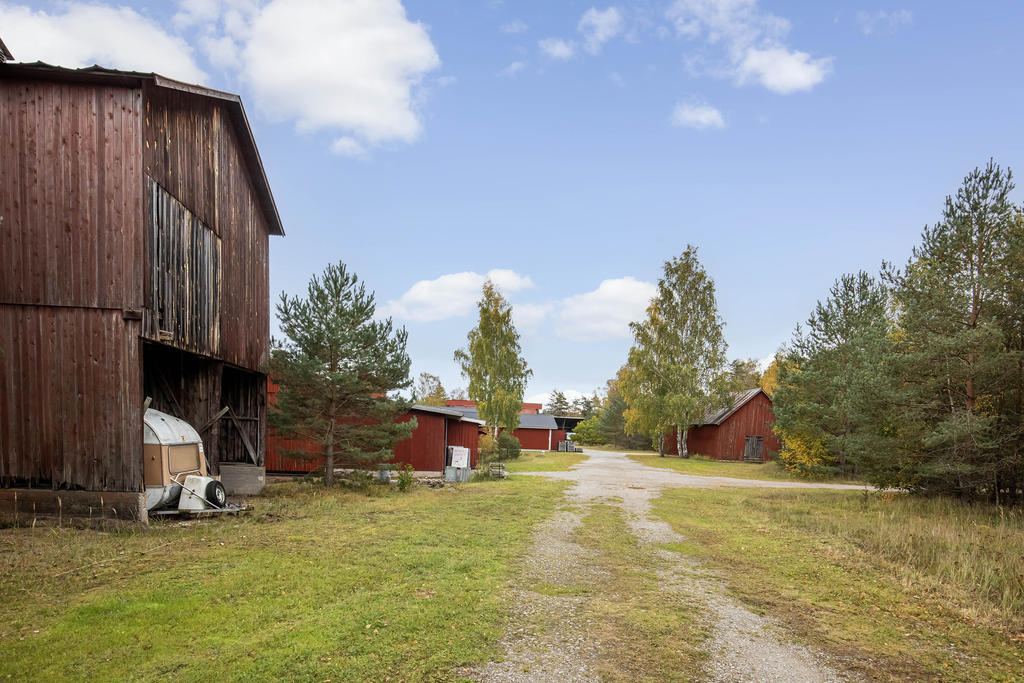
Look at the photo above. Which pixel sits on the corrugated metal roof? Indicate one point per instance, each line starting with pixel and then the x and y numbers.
pixel 739 398
pixel 438 410
pixel 99 74
pixel 541 421
pixel 5 54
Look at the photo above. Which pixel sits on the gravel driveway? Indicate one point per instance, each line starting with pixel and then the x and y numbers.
pixel 544 643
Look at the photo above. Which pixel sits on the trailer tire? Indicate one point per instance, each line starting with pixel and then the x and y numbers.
pixel 216 494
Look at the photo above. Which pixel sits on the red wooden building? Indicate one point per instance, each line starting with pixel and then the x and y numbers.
pixel 743 431
pixel 536 432
pixel 426 450
pixel 134 263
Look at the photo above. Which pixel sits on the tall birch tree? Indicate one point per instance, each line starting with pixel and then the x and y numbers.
pixel 493 365
pixel 676 370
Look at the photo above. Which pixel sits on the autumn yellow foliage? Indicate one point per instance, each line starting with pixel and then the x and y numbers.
pixel 802 453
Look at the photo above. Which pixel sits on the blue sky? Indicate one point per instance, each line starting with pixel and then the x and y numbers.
pixel 569 149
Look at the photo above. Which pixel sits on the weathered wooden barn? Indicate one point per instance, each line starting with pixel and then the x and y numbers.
pixel 741 431
pixel 134 263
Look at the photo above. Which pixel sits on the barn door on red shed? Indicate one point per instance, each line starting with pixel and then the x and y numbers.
pixel 754 449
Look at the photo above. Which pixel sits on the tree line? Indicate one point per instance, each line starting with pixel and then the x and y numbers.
pixel 914 378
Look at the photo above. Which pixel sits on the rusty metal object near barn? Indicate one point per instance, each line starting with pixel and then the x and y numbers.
pixel 136 223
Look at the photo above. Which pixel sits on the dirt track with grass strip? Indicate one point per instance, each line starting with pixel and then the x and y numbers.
pixel 580 598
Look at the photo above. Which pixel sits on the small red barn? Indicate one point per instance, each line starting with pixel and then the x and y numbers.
pixel 538 432
pixel 742 431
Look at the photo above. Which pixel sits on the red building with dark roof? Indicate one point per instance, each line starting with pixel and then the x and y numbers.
pixel 741 431
pixel 437 428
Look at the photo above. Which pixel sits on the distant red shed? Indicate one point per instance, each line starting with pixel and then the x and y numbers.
pixel 536 432
pixel 743 431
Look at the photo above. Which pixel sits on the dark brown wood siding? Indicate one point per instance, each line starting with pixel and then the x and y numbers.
pixel 70 399
pixel 70 195
pixel 71 261
pixel 183 276
pixel 191 150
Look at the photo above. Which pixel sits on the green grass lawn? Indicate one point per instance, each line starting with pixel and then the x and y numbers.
pixel 893 586
pixel 313 585
pixel 644 633
pixel 700 465
pixel 543 461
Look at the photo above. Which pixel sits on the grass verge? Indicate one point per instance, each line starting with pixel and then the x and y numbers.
pixel 645 632
pixel 893 586
pixel 315 585
pixel 699 465
pixel 543 461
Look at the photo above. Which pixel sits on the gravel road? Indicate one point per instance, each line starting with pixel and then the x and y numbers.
pixel 545 641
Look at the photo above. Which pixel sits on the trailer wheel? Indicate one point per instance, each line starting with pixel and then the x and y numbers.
pixel 216 494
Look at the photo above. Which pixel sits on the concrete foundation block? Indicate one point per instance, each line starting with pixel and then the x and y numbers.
pixel 242 479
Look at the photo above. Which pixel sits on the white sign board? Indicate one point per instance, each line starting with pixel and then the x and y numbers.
pixel 460 456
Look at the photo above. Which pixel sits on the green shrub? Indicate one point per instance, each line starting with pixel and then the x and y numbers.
pixel 488 448
pixel 508 447
pixel 589 432
pixel 405 478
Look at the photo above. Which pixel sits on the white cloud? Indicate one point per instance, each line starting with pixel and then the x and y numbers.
pixel 445 81
pixel 345 66
pixel 508 280
pixel 81 34
pixel 598 27
pixel 752 40
pixel 616 78
pixel 606 312
pixel 451 295
pixel 514 26
pixel 556 48
pixel 543 398
pixel 697 116
pixel 527 317
pixel 883 21
pixel 783 71
pixel 222 51
pixel 348 147
pixel 512 69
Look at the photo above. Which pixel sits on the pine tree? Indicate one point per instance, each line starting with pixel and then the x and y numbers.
pixel 612 419
pixel 676 365
pixel 429 391
pixel 557 404
pixel 492 364
pixel 743 375
pixel 834 387
pixel 960 300
pixel 336 367
pixel 584 406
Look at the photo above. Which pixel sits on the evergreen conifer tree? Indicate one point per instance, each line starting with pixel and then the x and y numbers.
pixel 336 367
pixel 960 301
